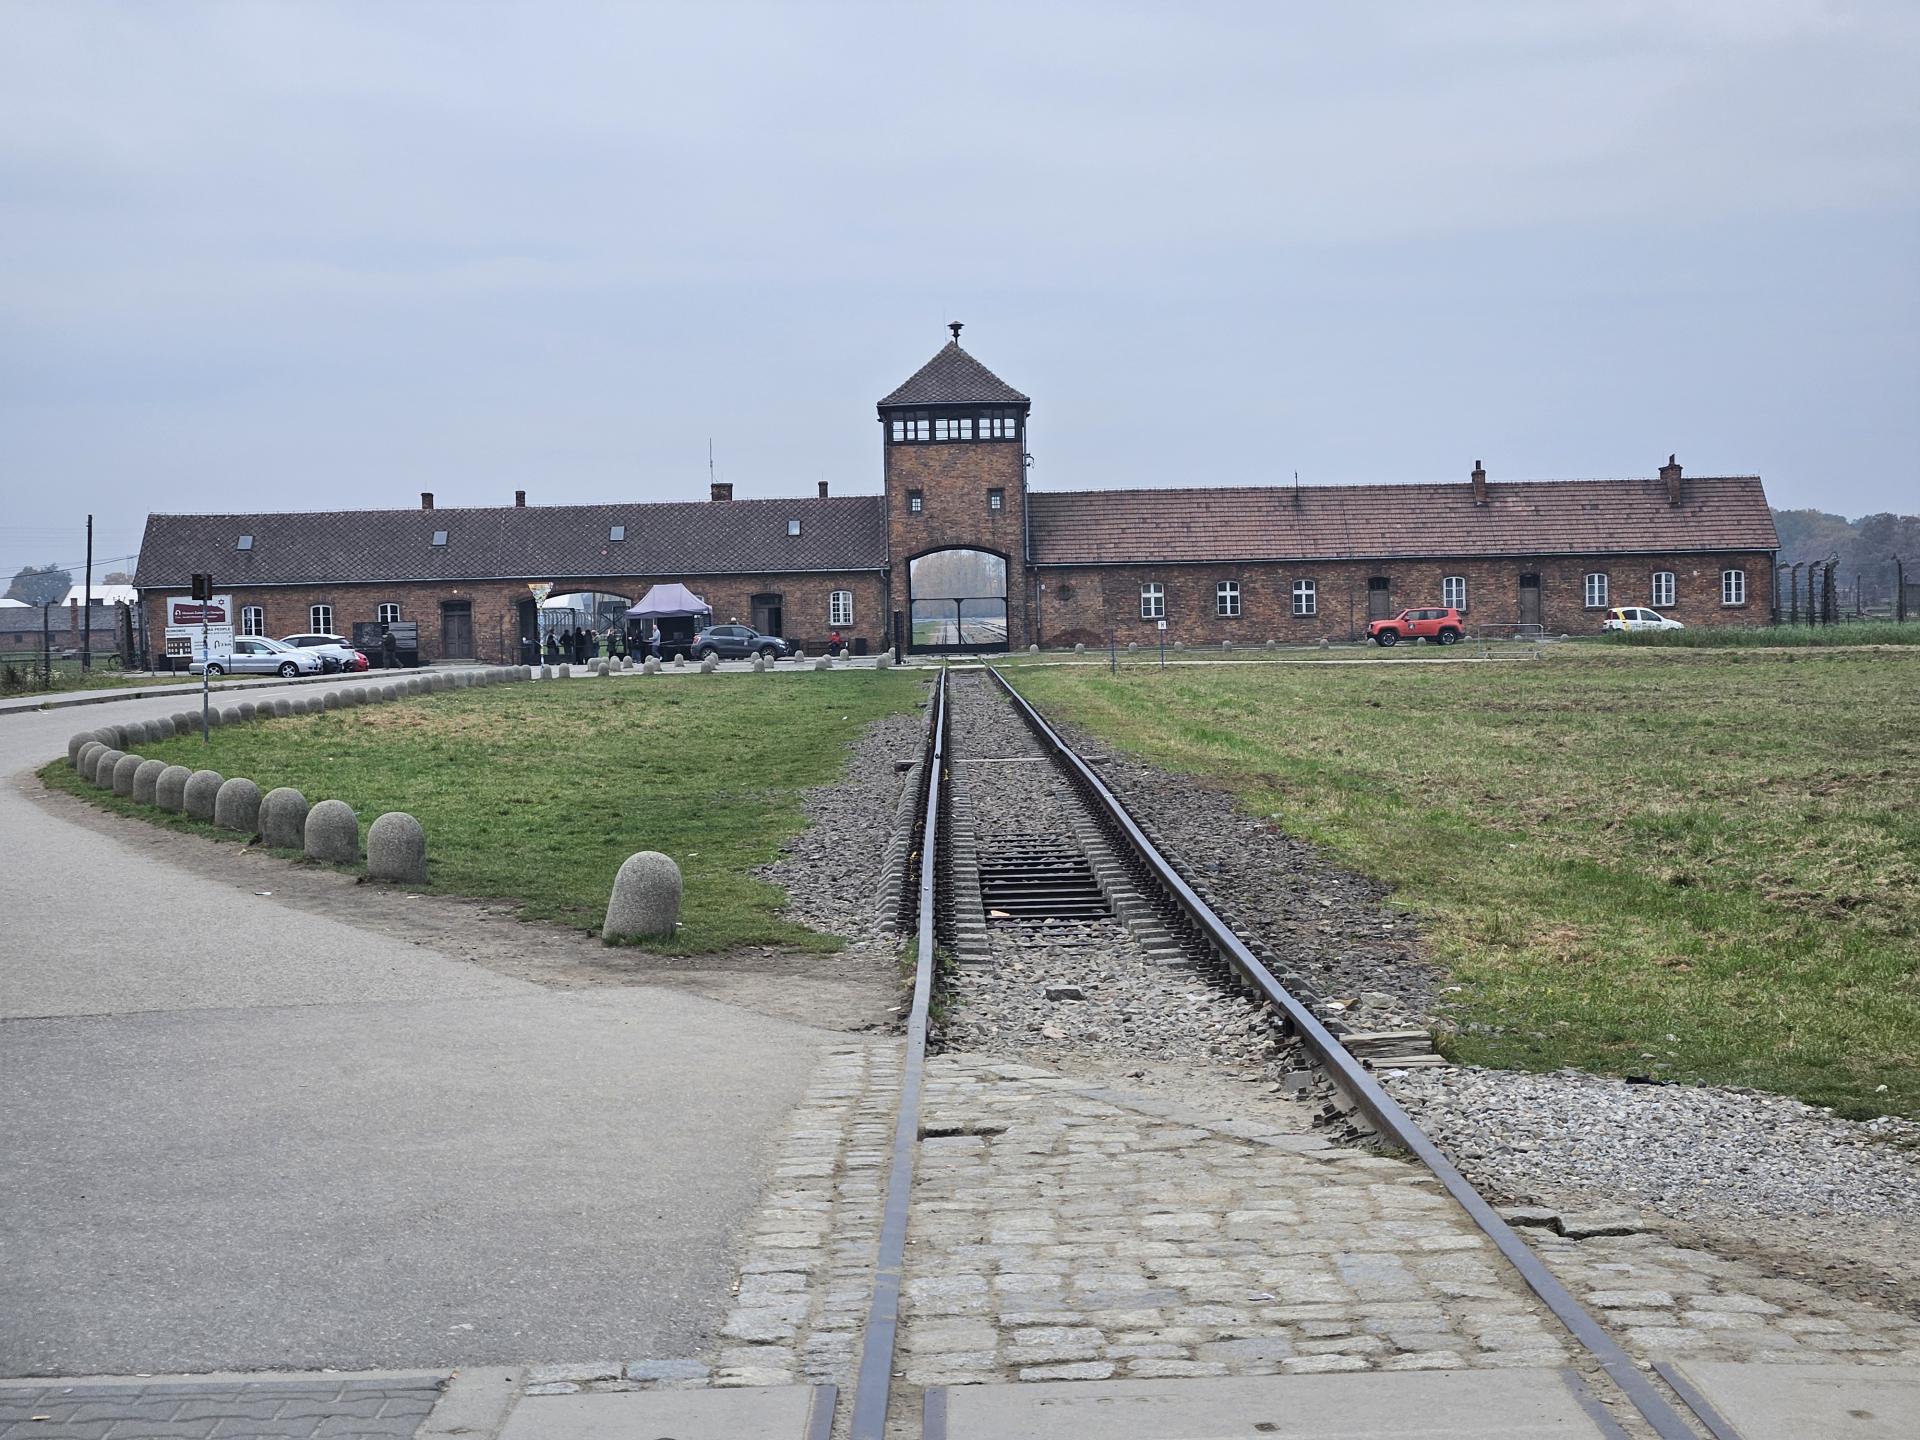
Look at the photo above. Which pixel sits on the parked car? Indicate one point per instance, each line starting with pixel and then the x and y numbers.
pixel 1436 623
pixel 359 662
pixel 257 655
pixel 1638 617
pixel 736 642
pixel 334 651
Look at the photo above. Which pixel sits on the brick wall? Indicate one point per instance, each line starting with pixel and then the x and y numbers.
pixel 497 616
pixel 1091 604
pixel 954 479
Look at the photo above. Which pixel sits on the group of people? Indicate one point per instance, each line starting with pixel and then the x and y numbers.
pixel 578 646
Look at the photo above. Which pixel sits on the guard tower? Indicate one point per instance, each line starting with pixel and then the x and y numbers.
pixel 954 439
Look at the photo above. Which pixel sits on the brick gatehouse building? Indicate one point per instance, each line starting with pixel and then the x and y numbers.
pixel 957 553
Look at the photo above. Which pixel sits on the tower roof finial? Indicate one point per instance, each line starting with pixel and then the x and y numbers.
pixel 954 326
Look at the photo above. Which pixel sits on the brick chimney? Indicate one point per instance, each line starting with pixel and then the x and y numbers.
pixel 722 490
pixel 823 489
pixel 1670 472
pixel 519 499
pixel 426 499
pixel 1479 483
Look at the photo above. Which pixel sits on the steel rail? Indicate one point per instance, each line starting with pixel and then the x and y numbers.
pixel 1353 1080
pixel 874 1388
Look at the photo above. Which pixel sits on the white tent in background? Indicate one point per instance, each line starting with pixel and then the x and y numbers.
pixel 669 602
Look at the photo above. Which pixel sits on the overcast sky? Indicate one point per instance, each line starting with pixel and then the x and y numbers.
pixel 305 256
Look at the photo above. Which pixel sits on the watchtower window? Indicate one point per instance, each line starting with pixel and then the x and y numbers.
pixel 916 502
pixel 953 427
pixel 1000 424
pixel 996 500
pixel 910 425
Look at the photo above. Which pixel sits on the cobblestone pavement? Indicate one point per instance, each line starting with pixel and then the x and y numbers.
pixel 210 1410
pixel 1662 1299
pixel 1065 1230
pixel 806 1272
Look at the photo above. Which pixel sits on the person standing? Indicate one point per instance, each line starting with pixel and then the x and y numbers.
pixel 389 649
pixel 653 639
pixel 553 649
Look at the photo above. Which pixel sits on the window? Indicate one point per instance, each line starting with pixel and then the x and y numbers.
pixel 1305 600
pixel 793 527
pixel 840 607
pixel 253 620
pixel 389 613
pixel 910 425
pixel 1226 598
pixel 1733 587
pixel 618 532
pixel 439 537
pixel 1153 601
pixel 1662 588
pixel 1000 425
pixel 957 427
pixel 996 500
pixel 320 619
pixel 1453 592
pixel 1597 591
pixel 916 502
pixel 246 543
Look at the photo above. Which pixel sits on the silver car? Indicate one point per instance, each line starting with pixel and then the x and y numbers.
pixel 257 655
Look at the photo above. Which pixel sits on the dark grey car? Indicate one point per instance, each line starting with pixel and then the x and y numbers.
pixel 737 642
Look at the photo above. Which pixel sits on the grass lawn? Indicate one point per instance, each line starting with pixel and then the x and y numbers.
pixel 537 793
pixel 1852 632
pixel 1710 858
pixel 20 677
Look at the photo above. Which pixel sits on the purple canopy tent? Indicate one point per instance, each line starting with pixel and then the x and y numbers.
pixel 669 602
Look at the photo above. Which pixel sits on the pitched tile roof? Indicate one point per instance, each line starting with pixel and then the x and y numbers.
pixel 534 542
pixel 953 377
pixel 1320 522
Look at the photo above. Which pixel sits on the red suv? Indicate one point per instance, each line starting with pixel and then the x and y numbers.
pixel 1432 623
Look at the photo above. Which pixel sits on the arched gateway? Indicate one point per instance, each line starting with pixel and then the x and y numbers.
pixel 958 600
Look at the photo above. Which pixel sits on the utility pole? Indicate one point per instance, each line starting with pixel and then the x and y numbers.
pixel 86 615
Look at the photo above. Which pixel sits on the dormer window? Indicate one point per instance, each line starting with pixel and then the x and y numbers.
pixel 912 425
pixel 439 537
pixel 246 543
pixel 793 527
pixel 618 532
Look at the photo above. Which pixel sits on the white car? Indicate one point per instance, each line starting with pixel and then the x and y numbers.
pixel 335 651
pixel 1638 617
pixel 257 655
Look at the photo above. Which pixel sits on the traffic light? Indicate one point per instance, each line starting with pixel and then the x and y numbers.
pixel 203 587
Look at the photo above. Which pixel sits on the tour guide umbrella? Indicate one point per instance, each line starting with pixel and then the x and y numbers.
pixel 669 604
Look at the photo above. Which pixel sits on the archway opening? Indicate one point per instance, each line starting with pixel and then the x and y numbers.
pixel 958 600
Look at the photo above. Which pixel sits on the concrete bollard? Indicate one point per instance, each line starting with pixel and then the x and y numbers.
pixel 1323 643
pixel 123 769
pixel 163 728
pixel 546 672
pixel 646 898
pixel 198 796
pixel 245 710
pixel 679 662
pixel 759 665
pixel 330 700
pixel 75 744
pixel 170 790
pixel 799 657
pixel 602 670
pixel 389 692
pixel 1079 647
pixel 145 778
pixel 236 806
pixel 566 672
pixel 652 667
pixel 823 663
pixel 710 664
pixel 186 722
pixel 1179 644
pixel 1226 644
pixel 397 849
pixel 1272 643
pixel 103 763
pixel 230 715
pixel 1033 649
pixel 283 818
pixel 885 662
pixel 332 833
pixel 1133 645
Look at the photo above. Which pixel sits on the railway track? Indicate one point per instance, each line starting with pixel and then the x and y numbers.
pixel 1063 857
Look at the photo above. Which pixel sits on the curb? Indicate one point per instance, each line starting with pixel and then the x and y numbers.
pixel 151 692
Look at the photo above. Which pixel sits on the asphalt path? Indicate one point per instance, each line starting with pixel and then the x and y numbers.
pixel 237 1136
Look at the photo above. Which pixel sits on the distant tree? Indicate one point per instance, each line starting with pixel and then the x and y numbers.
pixel 41 585
pixel 1863 548
pixel 116 577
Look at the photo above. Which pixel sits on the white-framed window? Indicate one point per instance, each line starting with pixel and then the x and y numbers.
pixel 253 620
pixel 1662 589
pixel 1226 599
pixel 1733 587
pixel 840 607
pixel 320 619
pixel 1306 600
pixel 389 613
pixel 916 502
pixel 1000 425
pixel 911 425
pixel 1453 592
pixel 996 500
pixel 1597 590
pixel 955 427
pixel 1153 601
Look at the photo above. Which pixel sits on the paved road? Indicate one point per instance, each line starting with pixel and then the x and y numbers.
pixel 272 1140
